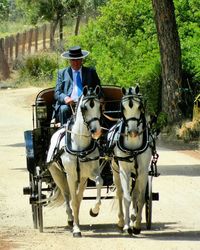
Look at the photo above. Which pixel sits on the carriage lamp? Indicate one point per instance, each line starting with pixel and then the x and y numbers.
pixel 41 109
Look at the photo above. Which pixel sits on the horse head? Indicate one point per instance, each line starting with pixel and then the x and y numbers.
pixel 132 109
pixel 90 110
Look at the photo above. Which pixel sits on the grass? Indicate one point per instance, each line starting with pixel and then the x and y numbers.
pixel 11 28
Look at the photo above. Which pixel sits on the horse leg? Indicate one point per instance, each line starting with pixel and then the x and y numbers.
pixel 81 187
pixel 141 189
pixel 141 183
pixel 95 175
pixel 125 181
pixel 119 194
pixel 94 211
pixel 134 204
pixel 75 205
pixel 60 179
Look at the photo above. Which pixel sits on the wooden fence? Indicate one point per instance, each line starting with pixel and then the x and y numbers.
pixel 21 44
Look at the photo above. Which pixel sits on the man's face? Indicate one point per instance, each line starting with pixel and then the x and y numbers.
pixel 76 63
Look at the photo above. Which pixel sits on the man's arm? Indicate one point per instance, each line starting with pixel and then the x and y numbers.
pixel 59 89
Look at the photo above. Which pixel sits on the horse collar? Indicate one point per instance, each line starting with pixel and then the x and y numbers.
pixel 82 154
pixel 135 152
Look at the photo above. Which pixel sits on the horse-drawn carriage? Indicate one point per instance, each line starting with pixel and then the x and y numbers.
pixel 114 122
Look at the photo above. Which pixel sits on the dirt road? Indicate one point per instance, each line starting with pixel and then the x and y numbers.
pixel 176 217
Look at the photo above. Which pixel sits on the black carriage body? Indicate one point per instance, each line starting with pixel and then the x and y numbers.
pixel 37 144
pixel 37 140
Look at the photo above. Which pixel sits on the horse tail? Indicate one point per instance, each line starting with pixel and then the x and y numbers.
pixel 56 199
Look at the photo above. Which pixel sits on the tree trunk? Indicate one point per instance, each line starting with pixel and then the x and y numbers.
pixel 170 53
pixel 53 27
pixel 78 19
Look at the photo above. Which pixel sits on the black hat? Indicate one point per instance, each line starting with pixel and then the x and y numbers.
pixel 75 53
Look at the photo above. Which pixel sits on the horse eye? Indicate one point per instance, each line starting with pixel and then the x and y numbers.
pixel 130 103
pixel 92 103
pixel 83 108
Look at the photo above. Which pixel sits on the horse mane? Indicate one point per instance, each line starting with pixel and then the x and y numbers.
pixel 77 105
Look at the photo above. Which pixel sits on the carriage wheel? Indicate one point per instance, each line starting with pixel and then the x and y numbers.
pixel 33 205
pixel 39 204
pixel 148 204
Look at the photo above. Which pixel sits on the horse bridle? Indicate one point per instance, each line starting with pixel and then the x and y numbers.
pixel 132 98
pixel 83 109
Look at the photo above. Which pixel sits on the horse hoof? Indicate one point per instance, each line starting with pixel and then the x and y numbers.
pixel 77 235
pixel 93 214
pixel 120 229
pixel 130 231
pixel 136 230
pixel 70 223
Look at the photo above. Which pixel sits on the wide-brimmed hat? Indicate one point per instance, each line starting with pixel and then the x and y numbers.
pixel 75 53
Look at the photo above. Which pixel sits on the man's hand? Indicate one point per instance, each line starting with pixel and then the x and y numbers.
pixel 69 100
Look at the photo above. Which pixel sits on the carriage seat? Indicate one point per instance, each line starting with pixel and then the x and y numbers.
pixel 112 98
pixel 45 97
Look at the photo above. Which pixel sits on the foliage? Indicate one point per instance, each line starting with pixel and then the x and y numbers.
pixel 188 16
pixel 4 9
pixel 124 48
pixel 45 10
pixel 39 66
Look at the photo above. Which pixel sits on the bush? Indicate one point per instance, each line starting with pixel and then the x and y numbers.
pixel 189 130
pixel 39 66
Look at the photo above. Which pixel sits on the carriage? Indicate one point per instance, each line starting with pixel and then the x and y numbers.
pixel 41 184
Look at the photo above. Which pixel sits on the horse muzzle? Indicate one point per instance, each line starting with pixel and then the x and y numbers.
pixel 96 134
pixel 133 133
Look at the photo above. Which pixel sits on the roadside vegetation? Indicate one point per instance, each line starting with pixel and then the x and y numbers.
pixel 122 39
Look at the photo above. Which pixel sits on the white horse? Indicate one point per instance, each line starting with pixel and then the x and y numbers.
pixel 79 156
pixel 132 155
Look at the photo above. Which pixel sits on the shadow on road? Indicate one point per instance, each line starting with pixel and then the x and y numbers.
pixel 179 170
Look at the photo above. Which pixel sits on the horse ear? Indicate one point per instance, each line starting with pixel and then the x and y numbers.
pixel 97 90
pixel 85 90
pixel 123 90
pixel 137 89
pixel 130 91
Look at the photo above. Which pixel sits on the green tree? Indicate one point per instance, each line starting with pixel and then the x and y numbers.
pixel 54 11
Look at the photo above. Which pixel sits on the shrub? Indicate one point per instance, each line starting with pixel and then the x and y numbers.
pixel 39 66
pixel 189 130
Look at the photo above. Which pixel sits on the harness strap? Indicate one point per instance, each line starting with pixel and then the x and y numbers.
pixel 78 170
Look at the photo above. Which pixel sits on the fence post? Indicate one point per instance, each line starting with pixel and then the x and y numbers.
pixel 36 39
pixel 51 36
pixel 30 35
pixel 23 43
pixel 17 45
pixel 44 31
pixel 4 68
pixel 6 47
pixel 11 48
